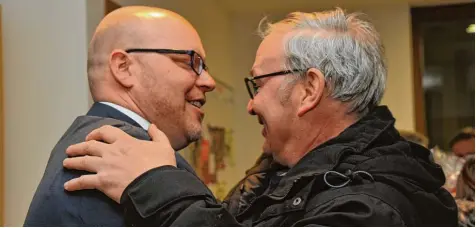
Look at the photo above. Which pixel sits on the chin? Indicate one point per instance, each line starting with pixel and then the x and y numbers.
pixel 267 147
pixel 267 151
pixel 277 156
pixel 279 160
pixel 194 134
pixel 190 136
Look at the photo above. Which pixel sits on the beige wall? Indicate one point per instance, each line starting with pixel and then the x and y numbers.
pixel 394 24
pixel 45 88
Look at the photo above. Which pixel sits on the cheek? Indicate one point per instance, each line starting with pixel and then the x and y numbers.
pixel 274 116
pixel 183 84
pixel 464 146
pixel 281 117
pixel 270 105
pixel 176 92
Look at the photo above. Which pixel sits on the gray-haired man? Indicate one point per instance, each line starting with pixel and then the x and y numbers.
pixel 332 156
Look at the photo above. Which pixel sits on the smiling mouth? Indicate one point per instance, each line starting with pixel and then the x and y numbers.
pixel 260 120
pixel 197 103
pixel 263 131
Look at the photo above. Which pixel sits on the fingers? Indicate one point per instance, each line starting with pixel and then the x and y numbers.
pixel 90 181
pixel 156 134
pixel 86 163
pixel 93 148
pixel 107 133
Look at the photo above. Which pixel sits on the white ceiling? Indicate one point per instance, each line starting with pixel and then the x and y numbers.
pixel 276 5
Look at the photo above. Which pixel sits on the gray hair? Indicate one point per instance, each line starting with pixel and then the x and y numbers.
pixel 344 47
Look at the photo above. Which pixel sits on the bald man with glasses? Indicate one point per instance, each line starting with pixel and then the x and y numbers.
pixel 146 69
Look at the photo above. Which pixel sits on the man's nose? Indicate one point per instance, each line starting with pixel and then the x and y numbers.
pixel 206 82
pixel 250 107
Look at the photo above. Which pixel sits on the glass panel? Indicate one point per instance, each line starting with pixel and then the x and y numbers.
pixel 448 78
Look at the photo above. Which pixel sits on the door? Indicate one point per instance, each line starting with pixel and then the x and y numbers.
pixel 443 44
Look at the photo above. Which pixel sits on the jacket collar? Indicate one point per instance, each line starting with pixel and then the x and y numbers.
pixel 378 124
pixel 102 110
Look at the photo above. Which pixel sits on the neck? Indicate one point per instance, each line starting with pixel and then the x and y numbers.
pixel 317 127
pixel 120 99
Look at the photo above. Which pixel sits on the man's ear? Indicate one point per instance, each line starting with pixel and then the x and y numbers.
pixel 119 64
pixel 313 85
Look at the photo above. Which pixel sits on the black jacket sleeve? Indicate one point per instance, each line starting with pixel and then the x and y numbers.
pixel 352 210
pixel 168 196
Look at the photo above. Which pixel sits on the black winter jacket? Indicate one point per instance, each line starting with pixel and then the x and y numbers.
pixel 366 176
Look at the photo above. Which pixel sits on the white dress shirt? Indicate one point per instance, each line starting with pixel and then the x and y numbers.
pixel 134 116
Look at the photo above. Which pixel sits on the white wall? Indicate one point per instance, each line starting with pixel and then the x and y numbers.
pixel 45 88
pixel 95 13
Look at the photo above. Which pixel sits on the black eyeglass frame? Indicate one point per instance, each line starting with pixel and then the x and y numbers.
pixel 256 87
pixel 202 66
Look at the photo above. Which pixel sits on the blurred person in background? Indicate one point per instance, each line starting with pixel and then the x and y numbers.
pixel 462 148
pixel 465 194
pixel 414 137
pixel 463 142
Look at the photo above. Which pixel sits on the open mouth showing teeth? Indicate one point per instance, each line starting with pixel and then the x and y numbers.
pixel 197 104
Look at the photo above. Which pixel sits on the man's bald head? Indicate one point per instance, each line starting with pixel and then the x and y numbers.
pixel 166 89
pixel 133 27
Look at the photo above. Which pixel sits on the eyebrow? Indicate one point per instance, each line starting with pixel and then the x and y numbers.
pixel 199 53
pixel 264 61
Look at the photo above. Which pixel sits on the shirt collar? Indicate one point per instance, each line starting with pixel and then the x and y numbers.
pixel 134 116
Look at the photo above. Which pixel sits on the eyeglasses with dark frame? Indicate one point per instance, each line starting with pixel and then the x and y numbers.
pixel 196 61
pixel 253 87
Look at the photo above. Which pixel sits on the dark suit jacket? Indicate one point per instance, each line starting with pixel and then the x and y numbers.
pixel 53 206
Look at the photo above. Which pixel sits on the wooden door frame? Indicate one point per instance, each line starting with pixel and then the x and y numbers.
pixel 110 6
pixel 421 15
